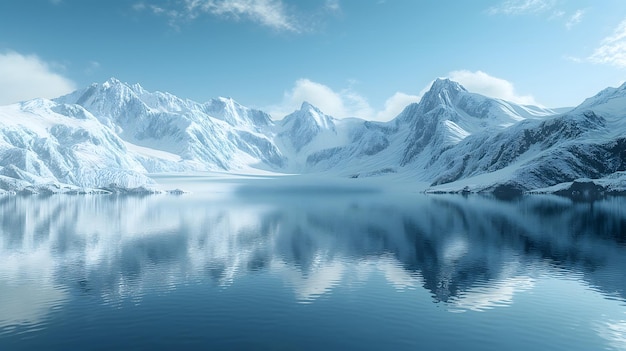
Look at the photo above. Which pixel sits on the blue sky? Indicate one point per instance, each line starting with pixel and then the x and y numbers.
pixel 366 58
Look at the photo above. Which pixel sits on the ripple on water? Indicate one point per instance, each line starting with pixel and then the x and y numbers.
pixel 323 275
pixel 26 306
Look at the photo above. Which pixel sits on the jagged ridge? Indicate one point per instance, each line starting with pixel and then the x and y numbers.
pixel 116 133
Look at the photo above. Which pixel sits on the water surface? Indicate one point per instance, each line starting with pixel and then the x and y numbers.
pixel 310 269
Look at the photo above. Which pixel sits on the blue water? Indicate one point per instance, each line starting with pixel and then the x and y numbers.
pixel 311 271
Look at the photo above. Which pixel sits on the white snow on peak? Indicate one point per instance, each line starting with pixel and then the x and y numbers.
pixel 115 132
pixel 322 120
pixel 441 84
pixel 230 111
pixel 45 142
pixel 609 100
pixel 111 82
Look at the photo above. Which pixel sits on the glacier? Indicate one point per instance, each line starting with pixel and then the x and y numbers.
pixel 111 137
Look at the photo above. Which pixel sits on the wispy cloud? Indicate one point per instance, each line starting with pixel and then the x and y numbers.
pixel 273 14
pixel 576 18
pixel 574 59
pixel 549 9
pixel 522 7
pixel 612 49
pixel 270 13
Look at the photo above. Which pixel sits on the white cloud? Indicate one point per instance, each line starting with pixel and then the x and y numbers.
pixel 339 104
pixel 24 77
pixel 482 83
pixel 348 103
pixel 612 49
pixel 522 7
pixel 395 104
pixel 576 18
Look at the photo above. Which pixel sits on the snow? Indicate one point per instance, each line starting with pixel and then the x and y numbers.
pixel 452 139
pixel 476 183
pixel 154 153
pixel 456 133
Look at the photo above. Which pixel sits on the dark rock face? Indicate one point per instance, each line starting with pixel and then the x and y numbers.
pixel 507 191
pixel 583 191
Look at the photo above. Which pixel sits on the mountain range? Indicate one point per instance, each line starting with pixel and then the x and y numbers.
pixel 113 135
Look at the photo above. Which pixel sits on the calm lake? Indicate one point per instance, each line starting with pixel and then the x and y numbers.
pixel 311 268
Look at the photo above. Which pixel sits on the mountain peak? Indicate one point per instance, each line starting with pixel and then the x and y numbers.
pixel 303 125
pixel 443 92
pixel 446 84
pixel 223 103
pixel 310 115
pixel 116 83
pixel 312 112
pixel 111 82
pixel 226 99
pixel 138 88
pixel 232 112
pixel 308 106
pixel 607 100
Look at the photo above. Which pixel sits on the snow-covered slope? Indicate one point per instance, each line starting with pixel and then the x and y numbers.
pixel 116 132
pixel 410 143
pixel 448 113
pixel 315 142
pixel 587 142
pixel 217 135
pixel 307 125
pixel 43 142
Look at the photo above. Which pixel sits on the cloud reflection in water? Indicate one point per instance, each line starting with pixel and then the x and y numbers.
pixel 469 253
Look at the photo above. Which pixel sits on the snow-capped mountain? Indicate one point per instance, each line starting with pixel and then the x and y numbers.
pixel 217 135
pixel 587 142
pixel 45 142
pixel 115 133
pixel 316 142
pixel 304 125
pixel 448 113
pixel 456 140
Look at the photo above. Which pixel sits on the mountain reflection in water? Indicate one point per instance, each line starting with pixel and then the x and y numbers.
pixel 469 253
